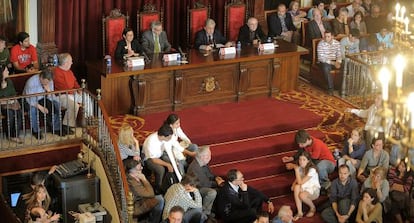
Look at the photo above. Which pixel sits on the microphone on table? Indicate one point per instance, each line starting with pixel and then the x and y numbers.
pixel 180 50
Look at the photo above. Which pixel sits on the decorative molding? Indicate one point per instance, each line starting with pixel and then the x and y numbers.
pixel 209 85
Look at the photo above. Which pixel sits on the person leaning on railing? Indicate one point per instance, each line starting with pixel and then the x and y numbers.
pixel 10 108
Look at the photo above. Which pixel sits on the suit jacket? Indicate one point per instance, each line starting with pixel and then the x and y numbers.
pixel 244 35
pixel 275 26
pixel 148 42
pixel 201 38
pixel 228 200
pixel 121 51
pixel 313 31
pixel 205 177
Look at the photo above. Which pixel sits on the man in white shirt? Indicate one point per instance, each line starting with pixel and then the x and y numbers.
pixel 158 154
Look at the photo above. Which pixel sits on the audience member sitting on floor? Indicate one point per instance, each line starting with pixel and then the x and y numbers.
pixel 316 27
pixel 344 197
pixel 319 153
pixel 375 157
pixel 340 24
pixel 4 52
pixel 369 208
pixel 373 121
pixel 237 202
pixel 262 217
pixel 45 105
pixel 175 215
pixel 39 197
pixel 208 182
pixel 144 198
pixel 186 195
pixel 37 179
pixel 379 183
pixel 350 44
pixel 158 150
pixel 251 33
pixel 284 215
pixel 354 150
pixel 183 147
pixel 39 215
pixel 209 37
pixel 329 57
pixel 23 55
pixel 155 40
pixel 64 79
pixel 306 187
pixel 401 182
pixel 128 46
pixel 281 24
pixel 127 143
pixel 11 109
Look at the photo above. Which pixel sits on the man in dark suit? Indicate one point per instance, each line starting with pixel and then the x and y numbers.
pixel 281 24
pixel 251 33
pixel 155 40
pixel 208 38
pixel 236 202
pixel 316 27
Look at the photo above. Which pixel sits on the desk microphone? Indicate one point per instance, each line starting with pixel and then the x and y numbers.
pixel 146 58
pixel 258 38
pixel 180 50
pixel 214 43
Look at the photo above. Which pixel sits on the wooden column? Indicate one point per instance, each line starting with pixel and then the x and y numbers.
pixel 46 29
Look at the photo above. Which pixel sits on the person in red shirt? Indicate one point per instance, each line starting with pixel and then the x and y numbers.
pixel 320 154
pixel 64 79
pixel 23 55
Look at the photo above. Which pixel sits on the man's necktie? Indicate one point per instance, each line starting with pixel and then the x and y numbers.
pixel 156 44
pixel 210 40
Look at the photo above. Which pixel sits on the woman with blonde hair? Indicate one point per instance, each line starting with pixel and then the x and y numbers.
pixel 39 197
pixel 380 184
pixel 127 143
pixel 306 187
pixel 354 150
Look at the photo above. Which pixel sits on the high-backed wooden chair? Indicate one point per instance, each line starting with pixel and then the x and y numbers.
pixel 113 26
pixel 317 77
pixel 235 17
pixel 146 16
pixel 196 18
pixel 267 13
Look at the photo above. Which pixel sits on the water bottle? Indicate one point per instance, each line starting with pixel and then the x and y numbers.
pixel 55 60
pixel 238 45
pixel 179 57
pixel 108 62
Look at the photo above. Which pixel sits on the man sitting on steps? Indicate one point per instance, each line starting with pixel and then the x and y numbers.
pixel 320 154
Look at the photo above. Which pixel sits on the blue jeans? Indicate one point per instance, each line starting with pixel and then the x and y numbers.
pixel 329 215
pixel 325 167
pixel 194 215
pixel 156 212
pixel 52 117
pixel 326 70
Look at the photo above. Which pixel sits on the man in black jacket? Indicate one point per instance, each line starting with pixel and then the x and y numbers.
pixel 281 24
pixel 251 33
pixel 236 202
pixel 209 37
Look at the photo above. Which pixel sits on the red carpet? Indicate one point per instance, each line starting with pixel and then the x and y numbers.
pixel 253 136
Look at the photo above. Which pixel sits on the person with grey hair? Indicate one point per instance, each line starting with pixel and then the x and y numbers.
pixel 43 104
pixel 155 40
pixel 209 37
pixel 285 215
pixel 251 33
pixel 208 182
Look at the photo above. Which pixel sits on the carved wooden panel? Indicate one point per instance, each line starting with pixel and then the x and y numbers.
pixel 255 79
pixel 209 84
pixel 159 91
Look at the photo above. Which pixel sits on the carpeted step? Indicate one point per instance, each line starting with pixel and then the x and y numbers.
pixel 234 121
pixel 263 166
pixel 274 186
pixel 256 147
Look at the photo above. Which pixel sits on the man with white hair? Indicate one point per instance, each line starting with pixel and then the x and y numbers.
pixel 285 215
pixel 251 33
pixel 208 182
pixel 209 37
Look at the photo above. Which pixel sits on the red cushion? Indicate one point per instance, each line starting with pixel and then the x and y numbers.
pixel 114 29
pixel 198 20
pixel 146 19
pixel 236 16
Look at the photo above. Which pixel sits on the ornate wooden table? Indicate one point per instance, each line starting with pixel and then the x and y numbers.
pixel 207 78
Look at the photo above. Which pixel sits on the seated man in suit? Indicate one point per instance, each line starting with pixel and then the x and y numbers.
pixel 251 33
pixel 316 27
pixel 155 40
pixel 281 24
pixel 236 202
pixel 209 37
